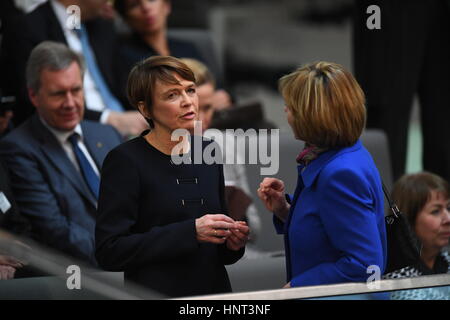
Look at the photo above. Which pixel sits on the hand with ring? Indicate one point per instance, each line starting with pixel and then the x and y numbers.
pixel 214 228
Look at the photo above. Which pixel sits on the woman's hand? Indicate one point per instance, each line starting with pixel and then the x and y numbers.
pixel 8 266
pixel 214 228
pixel 271 193
pixel 10 261
pixel 6 272
pixel 128 122
pixel 239 236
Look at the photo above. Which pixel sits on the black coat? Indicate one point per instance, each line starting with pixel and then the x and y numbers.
pixel 146 221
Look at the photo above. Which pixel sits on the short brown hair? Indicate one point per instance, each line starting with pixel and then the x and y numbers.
pixel 327 104
pixel 412 191
pixel 143 77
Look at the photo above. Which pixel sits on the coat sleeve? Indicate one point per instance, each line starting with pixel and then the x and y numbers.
pixel 117 246
pixel 277 222
pixel 38 203
pixel 346 209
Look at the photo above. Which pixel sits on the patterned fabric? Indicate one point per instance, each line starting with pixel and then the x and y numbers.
pixel 309 153
pixel 439 293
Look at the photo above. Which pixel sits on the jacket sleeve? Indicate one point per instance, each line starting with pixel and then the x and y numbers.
pixel 118 247
pixel 277 222
pixel 37 202
pixel 346 209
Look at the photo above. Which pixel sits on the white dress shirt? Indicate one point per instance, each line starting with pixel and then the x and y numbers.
pixel 63 139
pixel 92 95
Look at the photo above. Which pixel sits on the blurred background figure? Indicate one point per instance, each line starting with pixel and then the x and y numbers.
pixel 147 20
pixel 5 122
pixel 407 56
pixel 148 23
pixel 211 99
pixel 94 39
pixel 425 200
pixel 237 192
pixel 10 220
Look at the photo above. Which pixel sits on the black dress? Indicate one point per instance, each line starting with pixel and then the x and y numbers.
pixel 146 221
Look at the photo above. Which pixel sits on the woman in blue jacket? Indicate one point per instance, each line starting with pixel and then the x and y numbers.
pixel 334 222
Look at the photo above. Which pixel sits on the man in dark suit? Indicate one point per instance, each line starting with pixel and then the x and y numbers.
pixel 54 158
pixel 94 38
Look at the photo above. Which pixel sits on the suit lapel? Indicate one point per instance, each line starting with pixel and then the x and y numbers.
pixel 58 157
pixel 54 27
pixel 101 48
pixel 95 145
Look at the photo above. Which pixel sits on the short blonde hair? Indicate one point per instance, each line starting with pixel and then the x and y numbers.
pixel 201 72
pixel 327 104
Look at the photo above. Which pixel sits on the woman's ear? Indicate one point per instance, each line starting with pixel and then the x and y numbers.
pixel 143 110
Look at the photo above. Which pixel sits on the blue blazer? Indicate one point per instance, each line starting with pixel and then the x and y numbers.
pixel 335 228
pixel 49 190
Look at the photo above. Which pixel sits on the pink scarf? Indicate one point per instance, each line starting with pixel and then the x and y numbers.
pixel 308 154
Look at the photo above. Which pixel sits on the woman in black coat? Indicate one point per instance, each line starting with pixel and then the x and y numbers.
pixel 165 224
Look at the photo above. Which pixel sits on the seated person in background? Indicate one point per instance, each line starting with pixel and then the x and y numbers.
pixel 425 200
pixel 6 114
pixel 237 190
pixel 95 40
pixel 148 22
pixel 5 119
pixel 9 219
pixel 54 157
pixel 212 98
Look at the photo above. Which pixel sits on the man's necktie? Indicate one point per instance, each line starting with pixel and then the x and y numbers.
pixel 109 100
pixel 88 173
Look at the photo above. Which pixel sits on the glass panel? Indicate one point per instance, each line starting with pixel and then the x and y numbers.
pixel 47 274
